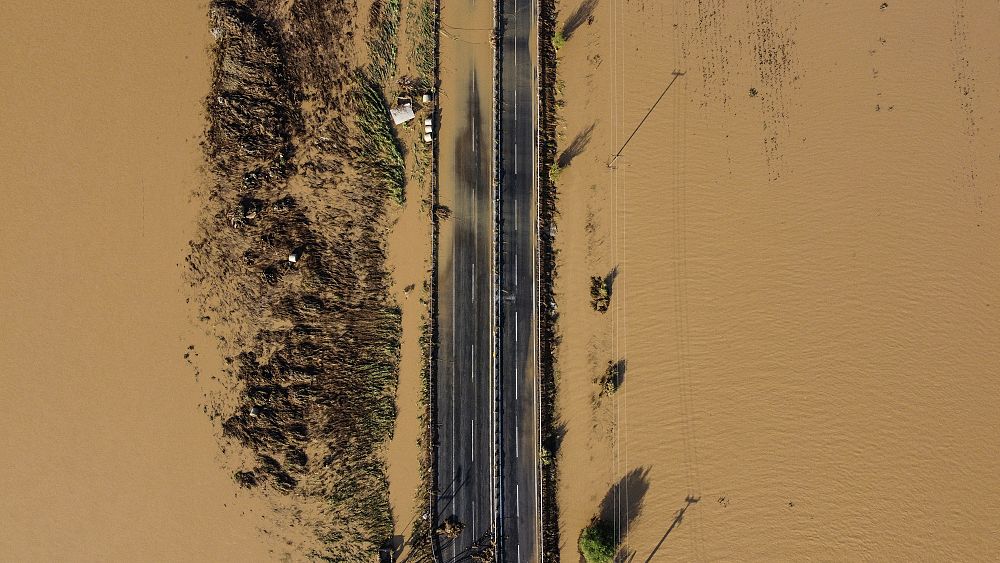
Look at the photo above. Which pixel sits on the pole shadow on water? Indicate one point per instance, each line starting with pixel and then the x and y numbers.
pixel 678 518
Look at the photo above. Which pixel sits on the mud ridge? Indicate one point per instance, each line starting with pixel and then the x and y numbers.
pixel 289 269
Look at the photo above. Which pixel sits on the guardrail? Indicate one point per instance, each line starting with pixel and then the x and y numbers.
pixel 498 526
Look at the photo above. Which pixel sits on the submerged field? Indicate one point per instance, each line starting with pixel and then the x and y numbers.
pixel 107 453
pixel 800 245
pixel 162 163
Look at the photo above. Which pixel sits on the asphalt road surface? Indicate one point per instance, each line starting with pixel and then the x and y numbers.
pixel 466 411
pixel 519 524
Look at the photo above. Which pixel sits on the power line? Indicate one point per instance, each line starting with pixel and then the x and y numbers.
pixel 677 74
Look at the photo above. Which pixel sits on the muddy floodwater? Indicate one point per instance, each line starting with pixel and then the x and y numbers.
pixel 106 452
pixel 802 247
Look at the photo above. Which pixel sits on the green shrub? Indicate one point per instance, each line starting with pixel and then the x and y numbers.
pixel 597 542
pixel 554 172
pixel 558 40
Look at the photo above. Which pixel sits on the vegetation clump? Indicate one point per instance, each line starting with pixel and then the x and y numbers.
pixel 450 528
pixel 545 456
pixel 554 171
pixel 612 378
pixel 559 40
pixel 379 148
pixel 600 294
pixel 597 542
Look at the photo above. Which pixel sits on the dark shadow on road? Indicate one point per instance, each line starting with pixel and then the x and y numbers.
pixel 456 485
pixel 678 518
pixel 583 13
pixel 481 549
pixel 575 148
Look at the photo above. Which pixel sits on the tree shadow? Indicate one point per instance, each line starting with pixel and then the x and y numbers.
pixel 583 13
pixel 553 441
pixel 624 501
pixel 678 518
pixel 576 147
pixel 616 372
pixel 609 281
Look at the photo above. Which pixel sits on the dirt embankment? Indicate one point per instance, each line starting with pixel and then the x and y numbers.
pixel 307 174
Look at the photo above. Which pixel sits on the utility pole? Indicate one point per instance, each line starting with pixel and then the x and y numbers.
pixel 677 74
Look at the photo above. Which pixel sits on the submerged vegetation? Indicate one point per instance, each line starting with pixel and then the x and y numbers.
pixel 597 542
pixel 422 33
pixel 612 377
pixel 289 266
pixel 380 150
pixel 600 294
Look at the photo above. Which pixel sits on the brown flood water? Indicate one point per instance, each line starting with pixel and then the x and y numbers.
pixel 107 454
pixel 409 258
pixel 806 294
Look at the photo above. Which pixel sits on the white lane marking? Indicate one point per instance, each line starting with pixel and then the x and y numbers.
pixel 515 326
pixel 516 395
pixel 471 118
pixel 515 270
pixel 473 439
pixel 518 488
pixel 517 442
pixel 473 282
